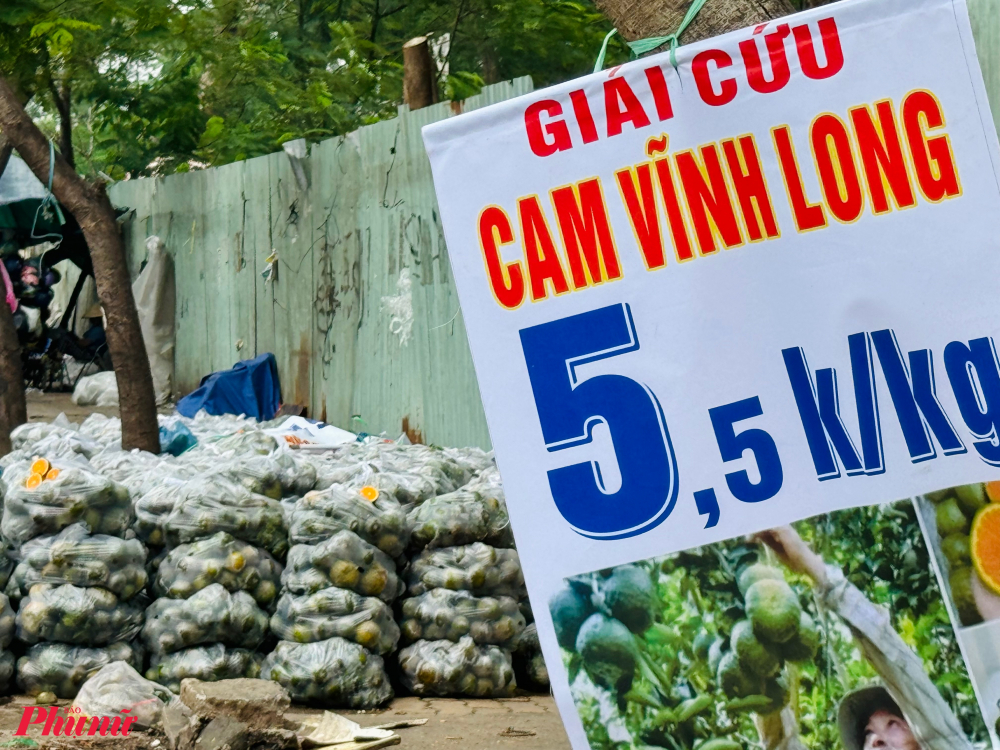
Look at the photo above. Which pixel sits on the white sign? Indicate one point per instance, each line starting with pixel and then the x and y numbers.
pixel 709 301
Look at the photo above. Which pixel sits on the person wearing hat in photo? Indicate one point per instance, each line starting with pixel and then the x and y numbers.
pixel 871 720
pixel 906 712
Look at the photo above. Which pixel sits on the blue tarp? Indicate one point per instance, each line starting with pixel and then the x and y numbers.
pixel 250 388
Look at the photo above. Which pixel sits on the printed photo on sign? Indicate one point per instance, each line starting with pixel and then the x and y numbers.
pixel 830 633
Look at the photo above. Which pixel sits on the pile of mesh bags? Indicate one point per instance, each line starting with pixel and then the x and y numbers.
pixel 210 613
pixel 240 557
pixel 78 580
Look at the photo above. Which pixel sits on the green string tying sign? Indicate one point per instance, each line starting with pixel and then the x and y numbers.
pixel 642 46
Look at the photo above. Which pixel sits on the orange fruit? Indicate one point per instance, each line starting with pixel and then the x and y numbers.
pixel 993 491
pixel 33 481
pixel 40 467
pixel 985 546
pixel 369 493
pixel 53 474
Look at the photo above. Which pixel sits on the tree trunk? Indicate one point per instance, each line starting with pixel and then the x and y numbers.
pixel 419 80
pixel 13 408
pixel 90 206
pixel 64 102
pixel 638 19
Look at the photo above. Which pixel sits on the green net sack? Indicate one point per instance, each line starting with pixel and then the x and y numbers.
pixel 477 567
pixel 452 615
pixel 320 515
pixel 212 615
pixel 336 613
pixel 78 616
pixel 463 668
pixel 207 663
pixel 83 559
pixel 222 559
pixel 62 669
pixel 346 561
pixel 333 673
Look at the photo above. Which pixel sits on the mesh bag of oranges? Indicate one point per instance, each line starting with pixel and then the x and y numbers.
pixel 297 477
pixel 62 669
pixel 201 507
pixel 80 616
pixel 451 615
pixel 374 516
pixel 210 505
pixel 83 559
pixel 450 520
pixel 346 561
pixel 213 615
pixel 207 663
pixel 334 672
pixel 463 668
pixel 336 613
pixel 477 567
pixel 238 566
pixel 43 497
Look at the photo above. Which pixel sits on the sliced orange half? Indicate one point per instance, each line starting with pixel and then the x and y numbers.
pixel 53 474
pixel 993 491
pixel 40 466
pixel 985 546
pixel 369 493
pixel 33 481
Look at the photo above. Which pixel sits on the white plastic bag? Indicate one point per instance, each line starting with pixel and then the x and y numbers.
pixel 118 690
pixel 154 293
pixel 100 389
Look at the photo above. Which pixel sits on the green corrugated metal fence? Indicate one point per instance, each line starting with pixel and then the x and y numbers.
pixel 368 212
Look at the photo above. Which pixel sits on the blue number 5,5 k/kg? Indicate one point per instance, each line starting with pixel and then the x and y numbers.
pixel 569 406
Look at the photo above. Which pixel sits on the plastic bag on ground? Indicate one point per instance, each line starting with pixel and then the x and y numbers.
pixel 62 669
pixel 176 439
pixel 336 613
pixel 246 442
pixel 100 389
pixel 69 492
pixel 7 622
pixel 319 515
pixel 213 615
pixel 477 567
pixel 118 690
pixel 58 437
pixel 207 663
pixel 8 665
pixel 74 615
pixel 236 565
pixel 77 557
pixel 528 661
pixel 345 561
pixel 334 672
pixel 463 668
pixel 451 615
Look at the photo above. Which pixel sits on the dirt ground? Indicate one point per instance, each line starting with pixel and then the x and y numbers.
pixel 521 723
pixel 44 407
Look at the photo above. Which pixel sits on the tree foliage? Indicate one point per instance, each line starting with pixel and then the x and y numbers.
pixel 159 86
pixel 881 551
